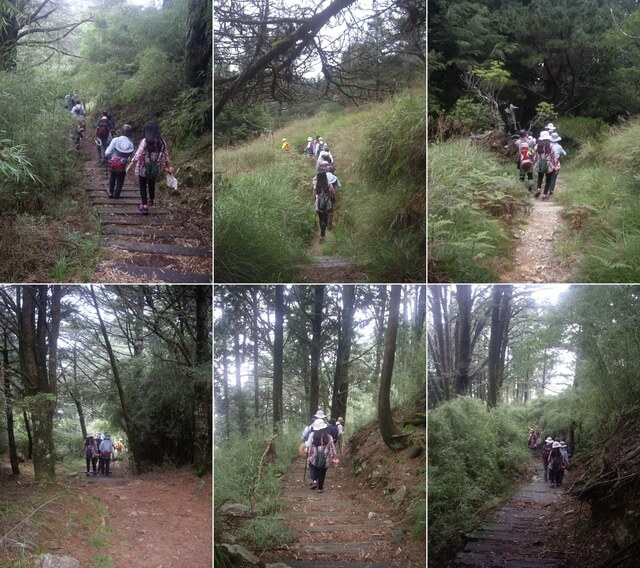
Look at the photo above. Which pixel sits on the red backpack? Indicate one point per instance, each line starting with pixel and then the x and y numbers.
pixel 525 159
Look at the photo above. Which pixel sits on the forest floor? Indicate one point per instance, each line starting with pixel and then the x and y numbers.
pixel 151 520
pixel 170 244
pixel 359 521
pixel 535 259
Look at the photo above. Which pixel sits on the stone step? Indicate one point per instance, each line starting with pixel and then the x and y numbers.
pixel 341 564
pixel 155 248
pixel 326 528
pixel 320 514
pixel 335 548
pixel 330 261
pixel 150 232
pixel 501 536
pixel 493 561
pixel 484 546
pixel 119 202
pixel 168 275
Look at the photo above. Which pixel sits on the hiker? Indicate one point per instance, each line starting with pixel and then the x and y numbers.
pixel 151 158
pixel 340 426
pixel 533 441
pixel 106 449
pixel 546 451
pixel 565 461
pixel 118 154
pixel 90 453
pixel 524 158
pixel 322 453
pixel 78 109
pixel 550 128
pixel 325 197
pixel 319 146
pixel 546 163
pixel 333 430
pixel 325 156
pixel 98 439
pixel 112 123
pixel 555 464
pixel 286 147
pixel 310 150
pixel 308 429
pixel 102 134
pixel 560 152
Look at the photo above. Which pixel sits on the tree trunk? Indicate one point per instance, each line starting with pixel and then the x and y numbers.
pixel 240 402
pixel 226 410
pixel 256 353
pixel 27 427
pixel 202 437
pixel 198 47
pixel 74 393
pixel 341 378
pixel 388 428
pixel 314 394
pixel 8 398
pixel 278 346
pixel 421 313
pixel 380 328
pixel 463 337
pixel 131 433
pixel 500 318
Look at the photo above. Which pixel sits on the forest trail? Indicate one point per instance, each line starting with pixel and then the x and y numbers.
pixel 157 519
pixel 341 528
pixel 534 258
pixel 166 245
pixel 521 534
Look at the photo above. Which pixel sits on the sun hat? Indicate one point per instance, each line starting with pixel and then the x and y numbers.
pixel 556 445
pixel 319 414
pixel 319 424
pixel 284 139
pixel 555 137
pixel 549 439
pixel 550 126
pixel 544 135
pixel 562 444
pixel 309 139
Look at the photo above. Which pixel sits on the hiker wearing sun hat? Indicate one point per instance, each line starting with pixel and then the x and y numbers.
pixel 546 163
pixel 286 147
pixel 322 453
pixel 310 150
pixel 555 464
pixel 546 451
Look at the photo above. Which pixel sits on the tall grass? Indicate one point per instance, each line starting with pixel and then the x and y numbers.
pixel 602 207
pixel 474 199
pixel 474 458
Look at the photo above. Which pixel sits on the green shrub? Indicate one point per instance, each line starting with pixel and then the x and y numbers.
pixel 579 130
pixel 267 532
pixel 474 456
pixel 469 116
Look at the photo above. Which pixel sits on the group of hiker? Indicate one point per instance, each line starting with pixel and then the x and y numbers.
pixel 555 456
pixel 118 153
pixel 98 451
pixel 541 156
pixel 320 440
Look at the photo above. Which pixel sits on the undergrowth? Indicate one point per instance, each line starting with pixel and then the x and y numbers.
pixel 475 455
pixel 474 199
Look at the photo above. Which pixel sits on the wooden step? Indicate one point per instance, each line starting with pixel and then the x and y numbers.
pixel 168 275
pixel 501 536
pixel 150 232
pixel 126 209
pixel 341 564
pixel 155 248
pixel 326 528
pixel 149 220
pixel 335 547
pixel 493 561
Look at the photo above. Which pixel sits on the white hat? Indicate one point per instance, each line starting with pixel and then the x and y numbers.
pixel 555 137
pixel 284 139
pixel 556 445
pixel 309 139
pixel 549 439
pixel 319 414
pixel 562 444
pixel 550 126
pixel 544 135
pixel 319 424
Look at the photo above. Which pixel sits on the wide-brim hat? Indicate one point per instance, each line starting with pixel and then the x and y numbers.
pixel 550 126
pixel 555 137
pixel 284 139
pixel 549 439
pixel 319 414
pixel 556 445
pixel 544 135
pixel 319 425
pixel 309 139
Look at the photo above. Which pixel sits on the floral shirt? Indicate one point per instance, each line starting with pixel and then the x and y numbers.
pixel 329 449
pixel 95 450
pixel 142 157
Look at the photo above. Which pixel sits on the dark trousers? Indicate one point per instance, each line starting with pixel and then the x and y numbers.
pixel 104 465
pixel 545 466
pixel 529 174
pixel 549 176
pixel 101 149
pixel 323 218
pixel 91 461
pixel 560 476
pixel 151 183
pixel 318 474
pixel 94 462
pixel 116 181
pixel 552 185
pixel 554 476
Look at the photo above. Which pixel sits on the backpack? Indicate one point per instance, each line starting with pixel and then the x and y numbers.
pixel 89 452
pixel 321 459
pixel 332 429
pixel 103 129
pixel 525 160
pixel 546 452
pixel 323 202
pixel 318 436
pixel 118 164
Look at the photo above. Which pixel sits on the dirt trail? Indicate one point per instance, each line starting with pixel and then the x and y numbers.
pixel 344 527
pixel 521 534
pixel 534 258
pixel 167 245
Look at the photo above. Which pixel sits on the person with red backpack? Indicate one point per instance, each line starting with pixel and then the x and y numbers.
pixel 118 154
pixel 524 158
pixel 90 453
pixel 546 452
pixel 322 454
pixel 546 164
pixel 103 133
pixel 151 158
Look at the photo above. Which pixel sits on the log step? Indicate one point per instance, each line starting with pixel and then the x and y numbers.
pixel 129 210
pixel 149 232
pixel 154 248
pixel 150 220
pixel 168 275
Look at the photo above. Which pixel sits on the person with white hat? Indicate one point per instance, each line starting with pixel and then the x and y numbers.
pixel 309 428
pixel 555 464
pixel 546 163
pixel 310 150
pixel 322 454
pixel 560 152
pixel 546 451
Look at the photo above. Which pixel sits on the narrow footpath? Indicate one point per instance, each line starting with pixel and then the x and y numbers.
pixel 342 528
pixel 521 534
pixel 167 245
pixel 535 260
